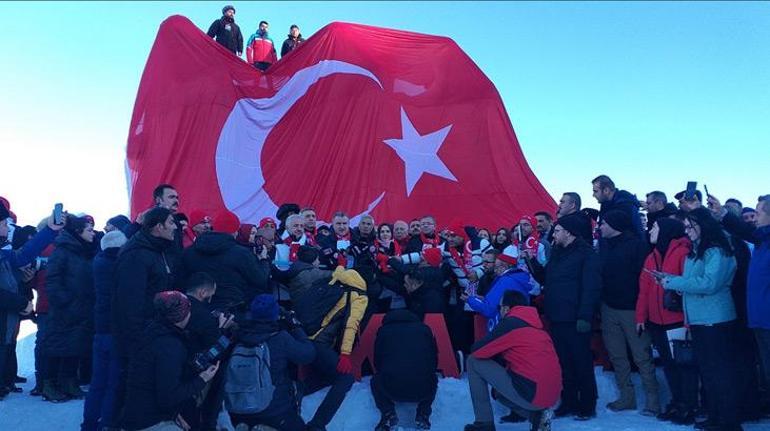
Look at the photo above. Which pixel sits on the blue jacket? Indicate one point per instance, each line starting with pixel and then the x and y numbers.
pixel 104 284
pixel 705 287
pixel 11 302
pixel 758 288
pixel 513 279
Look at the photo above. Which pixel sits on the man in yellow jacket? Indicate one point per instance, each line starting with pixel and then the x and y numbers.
pixel 330 367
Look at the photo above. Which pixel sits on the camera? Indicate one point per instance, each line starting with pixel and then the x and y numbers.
pixel 287 319
pixel 202 360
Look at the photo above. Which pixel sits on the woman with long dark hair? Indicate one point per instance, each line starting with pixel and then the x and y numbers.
pixel 658 311
pixel 710 312
pixel 502 239
pixel 69 283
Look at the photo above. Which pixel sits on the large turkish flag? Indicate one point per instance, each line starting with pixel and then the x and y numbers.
pixel 357 118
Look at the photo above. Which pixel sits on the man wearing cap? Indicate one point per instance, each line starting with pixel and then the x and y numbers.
pixel 622 254
pixel 226 32
pixel 158 382
pixel 240 276
pixel 572 287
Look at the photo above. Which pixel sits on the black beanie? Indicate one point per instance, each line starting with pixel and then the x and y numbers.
pixel 572 223
pixel 227 8
pixel 285 209
pixel 618 220
pixel 307 254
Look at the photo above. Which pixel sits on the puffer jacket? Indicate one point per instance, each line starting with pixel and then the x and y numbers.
pixel 70 287
pixel 649 304
pixel 301 277
pixel 358 302
pixel 705 286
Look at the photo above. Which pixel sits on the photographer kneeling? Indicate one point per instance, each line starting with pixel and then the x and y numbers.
pixel 258 385
pixel 159 380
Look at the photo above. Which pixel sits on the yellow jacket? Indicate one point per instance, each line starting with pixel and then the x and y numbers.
pixel 358 303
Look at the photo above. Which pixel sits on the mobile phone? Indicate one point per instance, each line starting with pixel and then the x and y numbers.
pixel 707 191
pixel 58 214
pixel 689 192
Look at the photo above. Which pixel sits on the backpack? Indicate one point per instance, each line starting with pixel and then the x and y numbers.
pixel 248 384
pixel 316 302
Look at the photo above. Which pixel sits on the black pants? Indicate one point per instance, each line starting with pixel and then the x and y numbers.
pixel 460 326
pixel 385 400
pixel 324 373
pixel 682 380
pixel 747 368
pixel 62 368
pixel 578 381
pixel 714 348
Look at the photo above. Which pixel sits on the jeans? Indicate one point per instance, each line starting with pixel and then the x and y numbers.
pixel 385 400
pixel 483 372
pixel 763 345
pixel 578 380
pixel 41 360
pixel 99 409
pixel 324 373
pixel 714 348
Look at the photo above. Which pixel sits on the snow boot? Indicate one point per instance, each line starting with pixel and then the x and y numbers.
pixel 71 389
pixel 51 393
pixel 541 420
pixel 622 404
pixel 37 390
pixel 422 421
pixel 480 426
pixel 388 422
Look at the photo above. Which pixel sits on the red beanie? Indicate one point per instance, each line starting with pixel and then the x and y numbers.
pixel 509 255
pixel 172 305
pixel 432 256
pixel 197 217
pixel 530 219
pixel 459 230
pixel 226 222
pixel 265 221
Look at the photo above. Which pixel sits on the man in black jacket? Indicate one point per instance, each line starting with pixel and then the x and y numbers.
pixel 293 40
pixel 226 31
pixel 569 206
pixel 159 382
pixel 405 357
pixel 572 286
pixel 610 198
pixel 622 254
pixel 239 275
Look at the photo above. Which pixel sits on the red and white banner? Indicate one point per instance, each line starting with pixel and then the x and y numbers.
pixel 357 118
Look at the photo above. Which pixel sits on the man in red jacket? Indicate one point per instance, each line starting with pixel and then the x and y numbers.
pixel 530 380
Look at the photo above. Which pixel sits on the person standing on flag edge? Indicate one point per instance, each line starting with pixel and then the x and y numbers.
pixel 226 32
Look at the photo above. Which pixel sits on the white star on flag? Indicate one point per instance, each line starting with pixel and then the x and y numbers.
pixel 420 152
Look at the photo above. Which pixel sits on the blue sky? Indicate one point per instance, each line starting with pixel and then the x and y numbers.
pixel 653 94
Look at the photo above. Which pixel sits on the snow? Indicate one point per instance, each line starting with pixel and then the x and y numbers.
pixel 451 410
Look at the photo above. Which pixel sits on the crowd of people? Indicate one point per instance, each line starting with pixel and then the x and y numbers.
pixel 260 48
pixel 173 317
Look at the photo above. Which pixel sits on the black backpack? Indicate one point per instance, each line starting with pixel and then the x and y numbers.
pixel 316 302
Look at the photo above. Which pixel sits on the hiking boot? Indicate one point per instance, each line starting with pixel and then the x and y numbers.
pixel 422 421
pixel 541 420
pixel 480 426
pixel 683 417
pixel 621 404
pixel 512 418
pixel 388 422
pixel 585 416
pixel 71 389
pixel 37 390
pixel 51 393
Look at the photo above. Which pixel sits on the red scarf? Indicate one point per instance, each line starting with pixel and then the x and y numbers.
pixel 432 242
pixel 461 261
pixel 384 252
pixel 294 246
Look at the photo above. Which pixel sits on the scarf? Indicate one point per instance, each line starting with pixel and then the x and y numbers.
pixel 430 242
pixel 294 245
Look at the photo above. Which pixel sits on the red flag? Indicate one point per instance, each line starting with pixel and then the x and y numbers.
pixel 357 118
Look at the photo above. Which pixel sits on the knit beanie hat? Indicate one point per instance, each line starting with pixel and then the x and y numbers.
pixel 572 224
pixel 197 217
pixel 171 305
pixel 432 256
pixel 119 221
pixel 307 254
pixel 264 307
pixel 510 255
pixel 618 220
pixel 114 239
pixel 227 8
pixel 225 222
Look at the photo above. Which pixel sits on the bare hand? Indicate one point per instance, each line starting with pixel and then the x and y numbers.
pixel 464 297
pixel 140 216
pixel 27 273
pixel 472 276
pixel 527 253
pixel 209 372
pixel 714 205
pixel 57 227
pixel 225 321
pixel 689 205
pixel 263 253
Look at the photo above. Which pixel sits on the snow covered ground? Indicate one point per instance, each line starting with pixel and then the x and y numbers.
pixel 451 410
